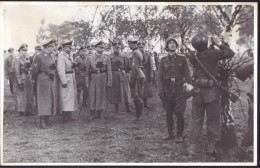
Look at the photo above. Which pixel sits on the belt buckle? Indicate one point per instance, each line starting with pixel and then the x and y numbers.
pixel 98 72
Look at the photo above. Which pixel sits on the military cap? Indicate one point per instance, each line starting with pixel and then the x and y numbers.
pixel 100 44
pixel 10 50
pixel 23 47
pixel 52 41
pixel 117 42
pixel 69 43
pixel 38 48
pixel 132 39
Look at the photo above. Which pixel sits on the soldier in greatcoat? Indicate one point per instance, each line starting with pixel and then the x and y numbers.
pixel 148 72
pixel 8 66
pixel 137 78
pixel 120 90
pixel 67 88
pixel 45 74
pixel 23 88
pixel 99 78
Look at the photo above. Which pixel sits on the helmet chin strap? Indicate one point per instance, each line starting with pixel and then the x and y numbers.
pixel 171 50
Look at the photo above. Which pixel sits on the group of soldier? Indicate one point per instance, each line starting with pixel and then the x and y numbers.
pixel 58 79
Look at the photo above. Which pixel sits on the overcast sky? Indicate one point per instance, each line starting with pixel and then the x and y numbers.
pixel 22 22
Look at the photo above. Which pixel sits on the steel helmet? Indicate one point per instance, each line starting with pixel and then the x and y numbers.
pixel 199 42
pixel 168 40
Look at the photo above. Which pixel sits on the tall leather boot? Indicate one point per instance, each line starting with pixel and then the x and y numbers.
pixel 65 116
pixel 42 122
pixel 116 107
pixel 99 115
pixel 145 103
pixel 128 109
pixel 139 110
pixel 69 115
pixel 170 136
pixel 84 103
pixel 180 128
pixel 47 120
pixel 92 115
pixel 78 92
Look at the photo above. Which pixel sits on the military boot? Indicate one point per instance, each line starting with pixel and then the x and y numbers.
pixel 47 121
pixel 99 115
pixel 70 118
pixel 128 109
pixel 140 110
pixel 170 136
pixel 180 128
pixel 116 107
pixel 42 122
pixel 84 103
pixel 145 103
pixel 65 116
pixel 92 115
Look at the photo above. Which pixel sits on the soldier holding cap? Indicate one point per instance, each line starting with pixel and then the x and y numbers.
pixel 79 65
pixel 66 83
pixel 208 98
pixel 45 74
pixel 137 78
pixel 148 72
pixel 8 66
pixel 99 77
pixel 173 73
pixel 120 90
pixel 23 88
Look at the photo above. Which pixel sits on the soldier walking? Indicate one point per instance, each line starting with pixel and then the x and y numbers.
pixel 45 74
pixel 23 87
pixel 120 90
pixel 99 77
pixel 173 73
pixel 148 72
pixel 207 100
pixel 137 78
pixel 9 69
pixel 79 64
pixel 67 89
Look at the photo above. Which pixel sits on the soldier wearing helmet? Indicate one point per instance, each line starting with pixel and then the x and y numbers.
pixel 208 98
pixel 173 73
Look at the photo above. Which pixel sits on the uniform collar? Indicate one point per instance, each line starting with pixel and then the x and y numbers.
pixel 172 56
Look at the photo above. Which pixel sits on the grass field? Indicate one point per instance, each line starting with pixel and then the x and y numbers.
pixel 117 139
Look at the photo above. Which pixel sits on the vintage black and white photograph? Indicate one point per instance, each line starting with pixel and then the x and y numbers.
pixel 128 83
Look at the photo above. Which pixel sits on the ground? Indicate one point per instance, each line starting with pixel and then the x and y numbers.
pixel 117 139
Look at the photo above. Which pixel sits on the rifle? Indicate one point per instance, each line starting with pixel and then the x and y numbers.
pixel 234 98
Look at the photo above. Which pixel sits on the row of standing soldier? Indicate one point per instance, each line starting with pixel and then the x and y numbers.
pixel 113 79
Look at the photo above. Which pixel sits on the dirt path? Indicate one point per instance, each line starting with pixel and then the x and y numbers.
pixel 117 139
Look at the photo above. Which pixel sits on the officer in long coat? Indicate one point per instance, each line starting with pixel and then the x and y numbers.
pixel 120 90
pixel 137 78
pixel 173 73
pixel 38 50
pixel 67 88
pixel 79 65
pixel 207 100
pixel 99 78
pixel 8 66
pixel 23 87
pixel 45 74
pixel 148 72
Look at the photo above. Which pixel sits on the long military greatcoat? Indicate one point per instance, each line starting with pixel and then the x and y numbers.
pixel 23 98
pixel 98 79
pixel 120 90
pixel 46 88
pixel 68 95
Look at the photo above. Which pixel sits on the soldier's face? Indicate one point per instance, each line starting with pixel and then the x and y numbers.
pixel 172 45
pixel 100 49
pixel 23 53
pixel 132 45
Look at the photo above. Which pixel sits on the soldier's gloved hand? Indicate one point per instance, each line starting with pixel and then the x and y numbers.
pixel 51 76
pixel 162 97
pixel 65 85
pixel 52 66
pixel 21 86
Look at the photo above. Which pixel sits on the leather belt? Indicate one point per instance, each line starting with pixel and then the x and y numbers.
pixel 69 72
pixel 44 72
pixel 97 72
